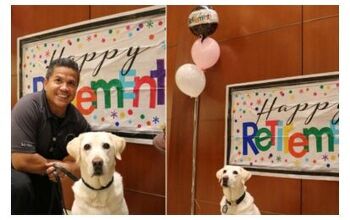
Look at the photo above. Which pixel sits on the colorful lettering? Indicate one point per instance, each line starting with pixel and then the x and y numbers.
pixel 38 80
pixel 106 88
pixel 296 143
pixel 129 86
pixel 139 81
pixel 85 95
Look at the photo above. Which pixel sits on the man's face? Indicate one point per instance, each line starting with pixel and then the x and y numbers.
pixel 60 89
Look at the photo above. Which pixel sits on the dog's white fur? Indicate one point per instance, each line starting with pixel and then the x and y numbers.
pixel 235 188
pixel 107 201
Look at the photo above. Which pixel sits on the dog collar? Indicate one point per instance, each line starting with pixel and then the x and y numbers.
pixel 228 203
pixel 101 188
pixel 239 200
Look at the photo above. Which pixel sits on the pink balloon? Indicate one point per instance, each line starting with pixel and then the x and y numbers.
pixel 205 54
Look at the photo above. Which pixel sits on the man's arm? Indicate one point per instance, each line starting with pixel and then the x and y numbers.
pixel 29 162
pixel 37 164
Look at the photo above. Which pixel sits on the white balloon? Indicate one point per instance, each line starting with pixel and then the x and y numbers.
pixel 190 79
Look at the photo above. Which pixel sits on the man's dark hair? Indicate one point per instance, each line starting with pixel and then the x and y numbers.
pixel 65 62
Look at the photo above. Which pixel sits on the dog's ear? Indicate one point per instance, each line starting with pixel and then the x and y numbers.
pixel 245 174
pixel 73 148
pixel 119 145
pixel 219 174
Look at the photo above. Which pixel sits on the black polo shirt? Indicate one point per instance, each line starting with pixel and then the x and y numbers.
pixel 34 129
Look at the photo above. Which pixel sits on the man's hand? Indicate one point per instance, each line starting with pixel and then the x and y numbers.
pixel 52 172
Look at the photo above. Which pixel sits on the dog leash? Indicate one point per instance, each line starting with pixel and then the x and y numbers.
pixel 65 171
pixel 59 184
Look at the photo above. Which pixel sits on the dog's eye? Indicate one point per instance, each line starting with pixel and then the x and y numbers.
pixel 105 146
pixel 224 171
pixel 235 172
pixel 87 147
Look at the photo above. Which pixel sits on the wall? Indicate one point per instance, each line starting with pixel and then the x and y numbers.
pixel 142 167
pixel 257 43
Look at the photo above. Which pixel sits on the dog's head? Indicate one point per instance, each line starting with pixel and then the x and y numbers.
pixel 95 152
pixel 232 176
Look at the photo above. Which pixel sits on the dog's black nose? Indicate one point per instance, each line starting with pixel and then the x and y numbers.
pixel 225 181
pixel 97 164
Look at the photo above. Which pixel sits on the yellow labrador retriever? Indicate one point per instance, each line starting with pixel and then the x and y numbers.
pixel 236 199
pixel 100 189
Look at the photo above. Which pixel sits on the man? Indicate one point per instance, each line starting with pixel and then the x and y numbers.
pixel 41 126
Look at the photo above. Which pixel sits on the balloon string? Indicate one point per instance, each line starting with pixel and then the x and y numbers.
pixel 194 152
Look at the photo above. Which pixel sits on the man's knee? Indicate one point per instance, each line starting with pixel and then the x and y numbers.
pixel 20 182
pixel 22 193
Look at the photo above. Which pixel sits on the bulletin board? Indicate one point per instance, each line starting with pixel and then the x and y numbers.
pixel 122 69
pixel 285 127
